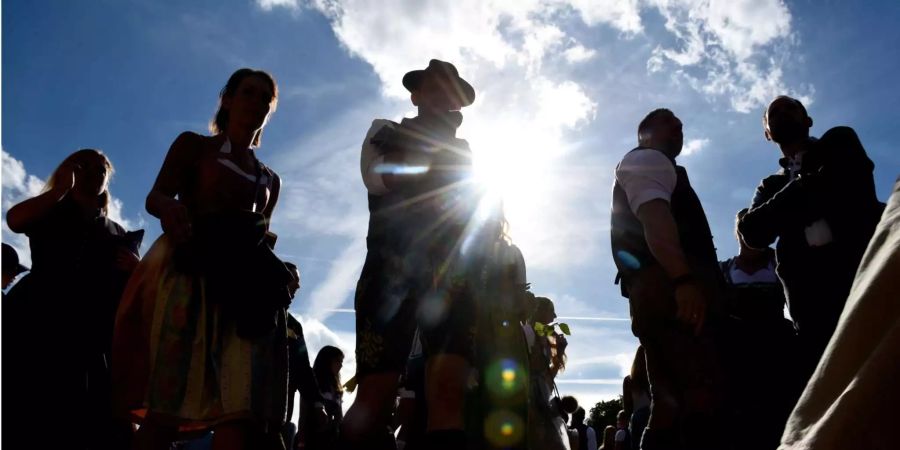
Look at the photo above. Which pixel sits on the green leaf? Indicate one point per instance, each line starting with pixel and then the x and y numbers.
pixel 565 329
pixel 539 328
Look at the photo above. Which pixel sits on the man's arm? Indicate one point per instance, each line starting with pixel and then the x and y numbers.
pixel 661 233
pixel 776 207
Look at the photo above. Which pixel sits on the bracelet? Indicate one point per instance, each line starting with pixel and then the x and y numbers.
pixel 682 279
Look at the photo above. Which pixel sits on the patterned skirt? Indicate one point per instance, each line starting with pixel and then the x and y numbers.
pixel 178 361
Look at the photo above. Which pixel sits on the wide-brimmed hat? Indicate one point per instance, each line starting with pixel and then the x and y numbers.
pixel 11 261
pixel 445 71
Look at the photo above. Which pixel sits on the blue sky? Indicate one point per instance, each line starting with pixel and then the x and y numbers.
pixel 561 86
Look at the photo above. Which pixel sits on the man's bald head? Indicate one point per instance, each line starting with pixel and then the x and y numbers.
pixel 786 121
pixel 661 130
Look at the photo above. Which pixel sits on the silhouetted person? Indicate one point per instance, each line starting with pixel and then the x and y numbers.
pixel 609 438
pixel 546 426
pixel 300 373
pixel 851 400
pixel 81 260
pixel 416 174
pixel 623 436
pixel 502 355
pixel 663 248
pixel 759 348
pixel 636 397
pixel 587 438
pixel 11 266
pixel 327 369
pixel 822 209
pixel 201 339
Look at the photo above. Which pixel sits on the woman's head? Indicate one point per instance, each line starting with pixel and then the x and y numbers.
pixel 92 171
pixel 246 101
pixel 327 368
pixel 544 312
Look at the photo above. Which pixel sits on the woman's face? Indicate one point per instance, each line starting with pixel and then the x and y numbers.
pixel 337 364
pixel 249 107
pixel 91 175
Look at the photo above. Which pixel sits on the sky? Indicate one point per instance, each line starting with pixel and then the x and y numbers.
pixel 561 86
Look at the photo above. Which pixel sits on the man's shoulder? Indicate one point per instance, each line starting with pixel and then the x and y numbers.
pixel 645 160
pixel 378 124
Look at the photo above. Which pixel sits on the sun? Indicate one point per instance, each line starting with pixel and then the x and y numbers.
pixel 514 162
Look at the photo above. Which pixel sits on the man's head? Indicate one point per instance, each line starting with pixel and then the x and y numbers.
pixel 568 404
pixel 11 266
pixel 622 420
pixel 578 416
pixel 786 121
pixel 661 130
pixel 294 286
pixel 438 88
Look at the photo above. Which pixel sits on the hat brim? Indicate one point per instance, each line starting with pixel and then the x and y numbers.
pixel 413 79
pixel 21 269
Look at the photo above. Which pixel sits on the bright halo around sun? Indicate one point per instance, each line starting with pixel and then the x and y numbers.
pixel 513 163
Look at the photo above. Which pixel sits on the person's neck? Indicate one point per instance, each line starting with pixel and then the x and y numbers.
pixel 752 262
pixel 792 149
pixel 443 122
pixel 240 139
pixel 87 203
pixel 659 147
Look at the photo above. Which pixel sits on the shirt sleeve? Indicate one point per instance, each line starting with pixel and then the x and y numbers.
pixel 621 435
pixel 646 175
pixel 371 158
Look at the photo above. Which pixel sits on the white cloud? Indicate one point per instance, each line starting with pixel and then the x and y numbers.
pixel 268 5
pixel 731 49
pixel 578 53
pixel 623 15
pixel 694 146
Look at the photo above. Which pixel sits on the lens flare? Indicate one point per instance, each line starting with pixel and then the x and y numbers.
pixel 504 428
pixel 505 378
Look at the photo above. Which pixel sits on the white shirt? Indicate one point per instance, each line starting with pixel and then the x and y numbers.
pixel 371 158
pixel 646 175
pixel 765 275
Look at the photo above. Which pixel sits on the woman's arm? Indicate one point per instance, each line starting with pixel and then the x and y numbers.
pixel 161 201
pixel 27 213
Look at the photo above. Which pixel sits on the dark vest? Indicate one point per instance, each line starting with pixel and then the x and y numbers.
pixel 398 217
pixel 629 246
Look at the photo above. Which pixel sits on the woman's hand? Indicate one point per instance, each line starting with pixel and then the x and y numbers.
pixel 176 222
pixel 64 180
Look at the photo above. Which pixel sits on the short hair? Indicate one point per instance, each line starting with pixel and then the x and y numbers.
pixel 220 121
pixel 650 118
pixel 568 404
pixel 784 97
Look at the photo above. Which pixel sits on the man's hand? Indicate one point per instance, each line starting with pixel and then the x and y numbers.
pixel 691 305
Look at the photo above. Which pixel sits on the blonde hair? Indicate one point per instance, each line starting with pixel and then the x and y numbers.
pixel 78 157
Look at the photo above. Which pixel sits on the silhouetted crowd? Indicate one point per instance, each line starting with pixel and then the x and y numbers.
pixel 192 347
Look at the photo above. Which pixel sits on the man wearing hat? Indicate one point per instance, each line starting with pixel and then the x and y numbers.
pixel 416 173
pixel 11 266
